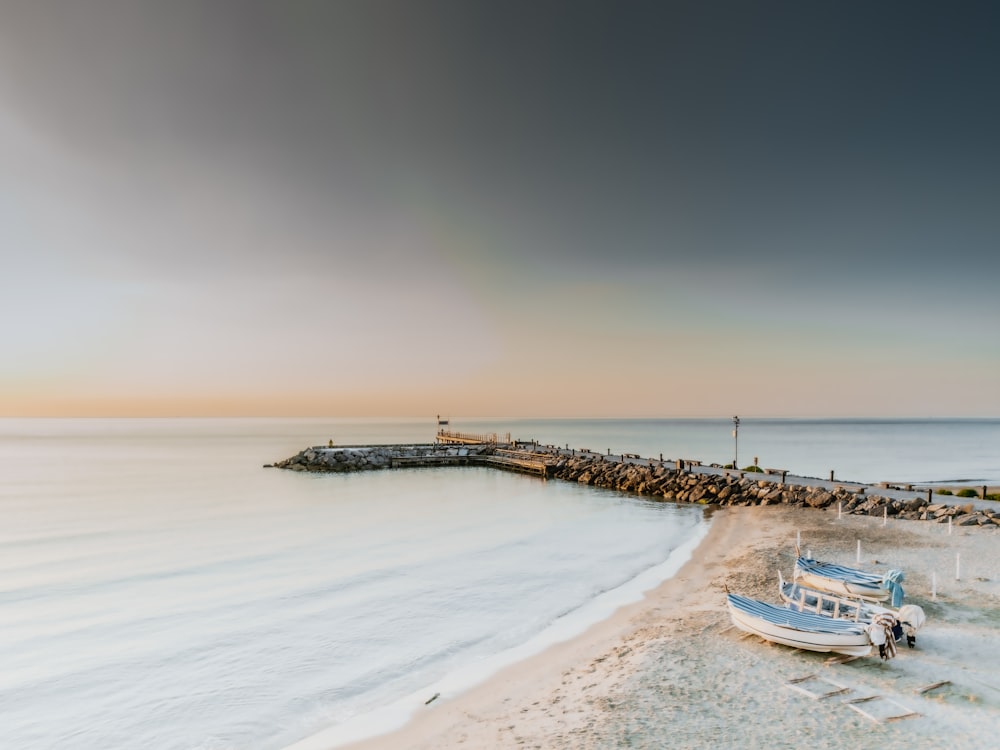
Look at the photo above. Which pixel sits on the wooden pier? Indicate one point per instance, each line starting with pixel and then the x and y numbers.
pixel 466 438
pixel 523 461
pixel 511 460
pixel 402 462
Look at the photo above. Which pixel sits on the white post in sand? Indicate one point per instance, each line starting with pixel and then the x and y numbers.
pixel 859 550
pixel 798 538
pixel 934 585
pixel 958 556
pixel 949 525
pixel 885 515
pixel 840 510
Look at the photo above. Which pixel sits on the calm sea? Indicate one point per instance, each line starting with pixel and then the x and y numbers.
pixel 160 589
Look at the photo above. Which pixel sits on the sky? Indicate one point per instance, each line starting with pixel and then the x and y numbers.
pixel 512 209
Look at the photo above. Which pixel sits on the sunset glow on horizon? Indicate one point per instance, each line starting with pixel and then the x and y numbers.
pixel 401 209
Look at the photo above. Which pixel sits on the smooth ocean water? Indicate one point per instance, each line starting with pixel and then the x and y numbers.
pixel 159 589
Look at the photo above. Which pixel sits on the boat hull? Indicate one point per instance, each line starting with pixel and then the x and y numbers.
pixel 837 579
pixel 851 641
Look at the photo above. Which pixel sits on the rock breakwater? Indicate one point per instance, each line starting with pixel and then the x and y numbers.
pixel 738 488
pixel 657 480
pixel 370 457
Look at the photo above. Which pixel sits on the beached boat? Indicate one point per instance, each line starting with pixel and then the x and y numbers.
pixel 849 582
pixel 804 599
pixel 804 630
pixel 910 617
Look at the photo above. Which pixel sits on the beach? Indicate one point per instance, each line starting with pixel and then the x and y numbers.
pixel 671 671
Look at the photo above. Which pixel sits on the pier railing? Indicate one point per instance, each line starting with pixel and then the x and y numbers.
pixel 450 436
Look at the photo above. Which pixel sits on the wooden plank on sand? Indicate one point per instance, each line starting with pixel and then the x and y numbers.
pixel 796 680
pixel 932 686
pixel 840 659
pixel 796 684
pixel 906 713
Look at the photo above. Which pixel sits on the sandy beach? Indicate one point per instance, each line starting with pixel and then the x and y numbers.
pixel 671 671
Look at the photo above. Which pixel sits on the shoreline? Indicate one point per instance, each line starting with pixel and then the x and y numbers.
pixel 516 682
pixel 671 666
pixel 370 726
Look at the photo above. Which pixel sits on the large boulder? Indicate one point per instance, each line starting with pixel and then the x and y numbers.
pixel 696 494
pixel 819 499
pixel 914 504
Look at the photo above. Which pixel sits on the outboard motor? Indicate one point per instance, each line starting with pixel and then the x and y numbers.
pixel 897 632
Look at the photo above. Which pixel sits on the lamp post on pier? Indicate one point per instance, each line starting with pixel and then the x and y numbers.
pixel 736 443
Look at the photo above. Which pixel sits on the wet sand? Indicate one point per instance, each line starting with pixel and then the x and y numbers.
pixel 671 671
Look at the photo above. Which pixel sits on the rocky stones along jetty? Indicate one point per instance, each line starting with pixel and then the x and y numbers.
pixel 731 489
pixel 649 479
pixel 368 457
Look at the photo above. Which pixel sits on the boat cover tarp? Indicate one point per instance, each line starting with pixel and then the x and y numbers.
pixel 893 580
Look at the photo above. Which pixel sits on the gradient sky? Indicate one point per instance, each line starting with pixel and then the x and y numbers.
pixel 230 207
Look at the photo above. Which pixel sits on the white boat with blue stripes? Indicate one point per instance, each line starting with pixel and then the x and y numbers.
pixel 849 582
pixel 799 597
pixel 805 630
pixel 910 617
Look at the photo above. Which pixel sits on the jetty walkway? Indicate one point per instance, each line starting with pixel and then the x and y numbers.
pixel 674 480
pixel 499 458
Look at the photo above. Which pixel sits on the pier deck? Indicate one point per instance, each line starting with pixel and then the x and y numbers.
pixel 522 461
pixel 450 437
